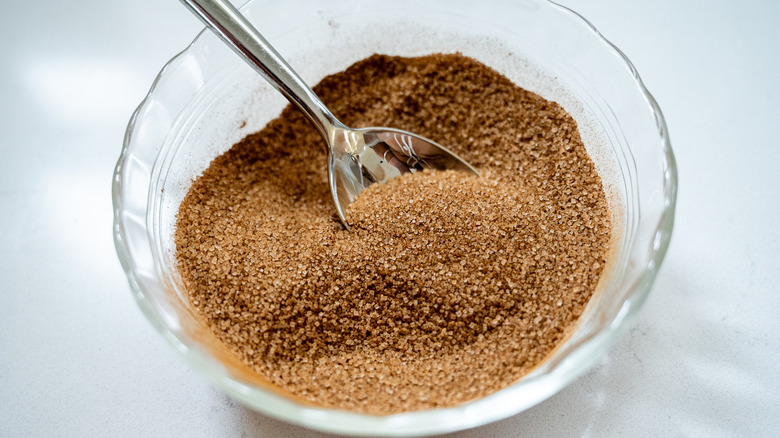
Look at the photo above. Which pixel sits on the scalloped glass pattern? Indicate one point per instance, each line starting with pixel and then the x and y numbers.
pixel 205 99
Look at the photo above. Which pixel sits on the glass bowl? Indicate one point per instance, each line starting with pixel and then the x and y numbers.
pixel 205 99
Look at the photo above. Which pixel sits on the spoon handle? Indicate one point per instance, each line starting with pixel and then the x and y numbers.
pixel 230 25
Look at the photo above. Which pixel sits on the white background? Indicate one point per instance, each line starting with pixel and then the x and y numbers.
pixel 77 358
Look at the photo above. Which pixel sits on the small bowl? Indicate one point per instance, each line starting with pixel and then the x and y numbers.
pixel 205 99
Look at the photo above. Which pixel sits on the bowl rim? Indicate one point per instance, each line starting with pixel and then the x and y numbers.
pixel 396 424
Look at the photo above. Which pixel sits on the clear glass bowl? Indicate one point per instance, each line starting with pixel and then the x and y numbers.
pixel 205 99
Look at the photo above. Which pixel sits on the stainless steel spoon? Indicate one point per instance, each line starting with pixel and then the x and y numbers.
pixel 357 158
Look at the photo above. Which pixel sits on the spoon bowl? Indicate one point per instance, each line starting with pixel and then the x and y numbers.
pixel 357 158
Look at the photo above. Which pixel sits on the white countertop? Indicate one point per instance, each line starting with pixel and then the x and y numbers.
pixel 77 357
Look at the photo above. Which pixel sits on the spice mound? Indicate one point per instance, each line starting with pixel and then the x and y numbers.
pixel 448 288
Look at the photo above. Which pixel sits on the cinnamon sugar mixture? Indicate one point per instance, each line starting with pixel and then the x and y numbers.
pixel 449 287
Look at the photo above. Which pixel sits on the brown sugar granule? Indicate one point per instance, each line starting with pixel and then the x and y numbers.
pixel 448 288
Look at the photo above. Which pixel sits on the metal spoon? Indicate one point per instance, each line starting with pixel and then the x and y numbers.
pixel 357 158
